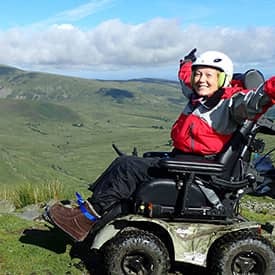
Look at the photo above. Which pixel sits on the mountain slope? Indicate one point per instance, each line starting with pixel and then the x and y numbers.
pixel 61 128
pixel 18 84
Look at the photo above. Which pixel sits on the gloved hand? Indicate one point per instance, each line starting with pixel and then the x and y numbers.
pixel 269 88
pixel 191 56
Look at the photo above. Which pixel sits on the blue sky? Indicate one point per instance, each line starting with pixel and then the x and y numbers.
pixel 122 39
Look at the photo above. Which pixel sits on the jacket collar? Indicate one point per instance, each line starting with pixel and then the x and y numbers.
pixel 208 102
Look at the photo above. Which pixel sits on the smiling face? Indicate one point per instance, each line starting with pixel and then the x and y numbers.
pixel 205 80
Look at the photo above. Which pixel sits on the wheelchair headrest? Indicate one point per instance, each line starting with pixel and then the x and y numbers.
pixel 251 79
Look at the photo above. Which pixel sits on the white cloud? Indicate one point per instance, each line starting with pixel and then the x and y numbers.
pixel 114 45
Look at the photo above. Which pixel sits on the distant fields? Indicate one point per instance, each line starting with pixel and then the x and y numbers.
pixel 62 128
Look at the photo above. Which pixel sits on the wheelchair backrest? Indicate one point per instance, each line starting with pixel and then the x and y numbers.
pixel 235 152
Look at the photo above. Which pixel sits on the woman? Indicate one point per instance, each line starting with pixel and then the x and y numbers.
pixel 213 113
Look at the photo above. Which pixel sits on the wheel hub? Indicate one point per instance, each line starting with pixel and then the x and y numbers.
pixel 137 265
pixel 248 263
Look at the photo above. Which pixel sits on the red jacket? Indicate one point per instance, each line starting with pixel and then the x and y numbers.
pixel 205 126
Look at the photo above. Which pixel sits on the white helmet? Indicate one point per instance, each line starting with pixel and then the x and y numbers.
pixel 219 61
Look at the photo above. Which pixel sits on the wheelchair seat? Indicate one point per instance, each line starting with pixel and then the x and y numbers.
pixel 197 187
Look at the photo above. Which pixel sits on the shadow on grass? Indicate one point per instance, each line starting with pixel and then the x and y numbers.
pixel 55 240
pixel 52 239
pixel 91 259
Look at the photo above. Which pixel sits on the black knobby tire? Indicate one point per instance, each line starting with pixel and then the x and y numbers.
pixel 242 252
pixel 136 252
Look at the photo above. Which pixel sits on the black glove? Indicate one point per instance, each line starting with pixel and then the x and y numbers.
pixel 191 56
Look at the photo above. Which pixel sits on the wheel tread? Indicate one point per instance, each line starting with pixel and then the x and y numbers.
pixel 222 248
pixel 124 241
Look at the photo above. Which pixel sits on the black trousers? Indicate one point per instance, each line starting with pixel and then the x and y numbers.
pixel 121 179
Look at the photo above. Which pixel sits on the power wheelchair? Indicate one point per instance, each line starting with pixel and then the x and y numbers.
pixel 193 215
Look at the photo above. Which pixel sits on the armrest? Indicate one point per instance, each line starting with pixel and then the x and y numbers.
pixel 192 164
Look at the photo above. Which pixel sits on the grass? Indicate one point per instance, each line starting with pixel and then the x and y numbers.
pixel 27 194
pixel 38 145
pixel 258 217
pixel 260 214
pixel 32 248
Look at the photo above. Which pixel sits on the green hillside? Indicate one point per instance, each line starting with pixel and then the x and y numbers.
pixel 61 128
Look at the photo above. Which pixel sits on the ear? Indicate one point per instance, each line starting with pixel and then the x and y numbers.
pixel 221 80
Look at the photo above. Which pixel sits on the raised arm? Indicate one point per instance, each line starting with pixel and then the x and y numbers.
pixel 184 73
